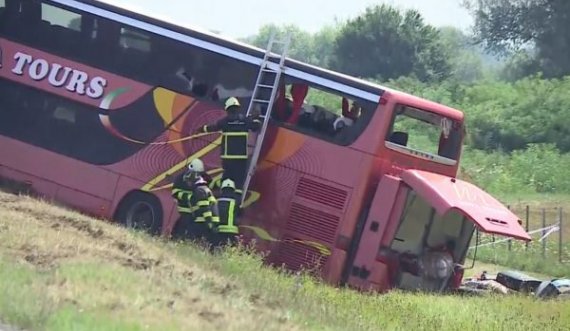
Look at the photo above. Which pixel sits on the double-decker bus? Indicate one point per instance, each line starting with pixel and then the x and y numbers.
pixel 357 181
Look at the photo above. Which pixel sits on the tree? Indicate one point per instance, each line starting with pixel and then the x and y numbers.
pixel 323 45
pixel 506 26
pixel 314 49
pixel 464 57
pixel 386 43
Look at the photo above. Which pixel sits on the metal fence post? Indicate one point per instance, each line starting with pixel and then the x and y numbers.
pixel 543 232
pixel 526 226
pixel 560 237
pixel 509 243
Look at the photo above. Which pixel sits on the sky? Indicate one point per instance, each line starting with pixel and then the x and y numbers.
pixel 241 18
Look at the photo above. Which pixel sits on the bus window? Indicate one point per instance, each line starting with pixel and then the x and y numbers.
pixel 319 112
pixel 61 17
pixel 131 39
pixel 2 14
pixel 200 73
pixel 421 131
pixel 66 127
pixel 134 53
pixel 60 30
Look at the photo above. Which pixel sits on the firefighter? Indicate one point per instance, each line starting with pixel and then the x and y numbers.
pixel 205 211
pixel 235 129
pixel 229 209
pixel 182 193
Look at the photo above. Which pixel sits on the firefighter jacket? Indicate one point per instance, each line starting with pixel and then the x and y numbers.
pixel 235 128
pixel 229 210
pixel 182 193
pixel 206 210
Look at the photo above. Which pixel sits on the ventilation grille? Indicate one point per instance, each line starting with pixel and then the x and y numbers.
pixel 313 223
pixel 296 256
pixel 321 193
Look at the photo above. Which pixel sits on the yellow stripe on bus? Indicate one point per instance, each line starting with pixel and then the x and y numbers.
pixel 148 186
pixel 264 235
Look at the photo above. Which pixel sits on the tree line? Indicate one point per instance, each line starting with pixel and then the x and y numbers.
pixel 510 75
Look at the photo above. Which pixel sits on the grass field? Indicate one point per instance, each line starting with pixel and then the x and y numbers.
pixel 63 271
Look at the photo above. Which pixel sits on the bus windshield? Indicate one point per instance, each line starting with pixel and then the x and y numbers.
pixel 425 133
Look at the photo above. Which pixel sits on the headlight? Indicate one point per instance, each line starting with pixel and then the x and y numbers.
pixel 436 265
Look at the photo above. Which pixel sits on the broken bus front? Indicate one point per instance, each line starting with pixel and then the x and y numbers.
pixel 418 231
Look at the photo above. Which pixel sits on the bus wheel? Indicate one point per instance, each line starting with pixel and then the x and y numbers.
pixel 140 211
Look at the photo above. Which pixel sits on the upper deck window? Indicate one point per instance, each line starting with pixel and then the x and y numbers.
pixel 135 40
pixel 317 111
pixel 61 17
pixel 425 134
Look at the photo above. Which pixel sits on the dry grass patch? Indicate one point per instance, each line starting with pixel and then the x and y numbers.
pixel 78 266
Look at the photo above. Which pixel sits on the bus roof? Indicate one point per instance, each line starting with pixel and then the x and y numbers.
pixel 143 19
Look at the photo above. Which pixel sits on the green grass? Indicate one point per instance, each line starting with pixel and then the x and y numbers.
pixel 62 271
pixel 527 259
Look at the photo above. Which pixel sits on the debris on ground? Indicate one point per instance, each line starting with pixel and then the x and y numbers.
pixel 509 282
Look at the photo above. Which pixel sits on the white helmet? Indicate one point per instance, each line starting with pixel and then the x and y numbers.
pixel 196 165
pixel 228 183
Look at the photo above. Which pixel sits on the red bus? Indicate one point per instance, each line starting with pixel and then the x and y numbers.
pixel 97 103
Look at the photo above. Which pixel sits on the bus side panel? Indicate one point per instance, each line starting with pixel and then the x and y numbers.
pixel 57 168
pixel 311 155
pixel 274 184
pixel 51 191
pixel 45 189
pixel 316 209
pixel 86 203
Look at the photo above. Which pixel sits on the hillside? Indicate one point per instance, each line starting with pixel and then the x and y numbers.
pixel 63 271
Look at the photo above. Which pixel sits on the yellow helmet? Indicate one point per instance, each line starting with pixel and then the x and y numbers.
pixel 228 183
pixel 231 102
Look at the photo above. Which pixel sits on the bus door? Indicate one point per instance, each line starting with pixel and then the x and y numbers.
pixel 365 272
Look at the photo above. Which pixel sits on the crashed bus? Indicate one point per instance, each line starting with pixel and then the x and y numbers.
pixel 97 107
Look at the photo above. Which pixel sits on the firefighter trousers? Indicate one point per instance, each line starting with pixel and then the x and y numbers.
pixel 236 170
pixel 225 239
pixel 182 226
pixel 187 229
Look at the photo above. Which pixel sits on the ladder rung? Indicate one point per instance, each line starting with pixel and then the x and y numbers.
pixel 260 101
pixel 265 86
pixel 269 70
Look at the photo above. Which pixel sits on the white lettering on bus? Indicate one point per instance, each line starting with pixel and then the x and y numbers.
pixel 39 69
pixel 21 60
pixel 77 81
pixel 55 71
pixel 96 87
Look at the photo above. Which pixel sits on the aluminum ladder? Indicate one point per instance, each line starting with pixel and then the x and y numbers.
pixel 261 85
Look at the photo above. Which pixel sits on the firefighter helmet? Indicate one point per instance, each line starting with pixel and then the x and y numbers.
pixel 228 183
pixel 231 102
pixel 196 166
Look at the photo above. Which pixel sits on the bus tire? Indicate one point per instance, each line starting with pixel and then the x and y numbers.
pixel 140 211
